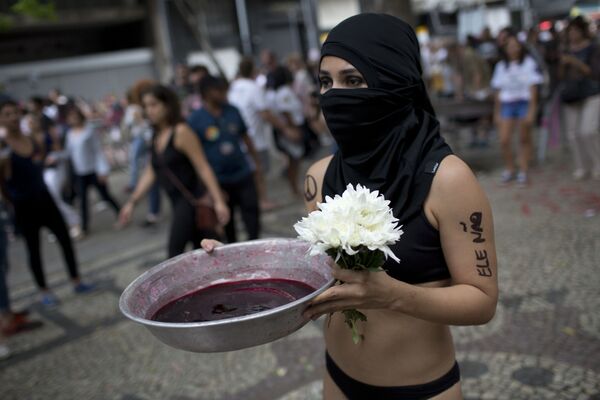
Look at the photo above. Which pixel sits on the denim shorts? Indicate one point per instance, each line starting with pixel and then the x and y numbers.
pixel 514 109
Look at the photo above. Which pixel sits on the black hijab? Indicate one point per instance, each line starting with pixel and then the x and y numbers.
pixel 388 136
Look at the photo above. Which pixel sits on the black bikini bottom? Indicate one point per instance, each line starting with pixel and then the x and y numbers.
pixel 355 390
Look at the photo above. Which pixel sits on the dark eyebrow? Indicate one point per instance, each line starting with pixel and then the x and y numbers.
pixel 349 71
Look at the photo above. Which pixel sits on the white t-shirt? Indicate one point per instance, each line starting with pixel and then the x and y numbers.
pixel 284 100
pixel 250 99
pixel 513 81
pixel 85 151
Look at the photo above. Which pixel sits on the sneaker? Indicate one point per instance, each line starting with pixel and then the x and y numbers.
pixel 100 206
pixel 506 177
pixel 76 233
pixel 84 288
pixel 579 174
pixel 4 352
pixel 522 179
pixel 150 221
pixel 49 300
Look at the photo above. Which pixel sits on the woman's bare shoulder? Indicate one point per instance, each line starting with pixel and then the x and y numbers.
pixel 184 135
pixel 319 167
pixel 454 186
pixel 451 170
pixel 313 182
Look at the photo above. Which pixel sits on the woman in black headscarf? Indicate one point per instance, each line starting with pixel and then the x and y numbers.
pixel 376 107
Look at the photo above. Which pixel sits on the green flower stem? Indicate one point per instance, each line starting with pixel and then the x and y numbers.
pixel 363 260
pixel 351 318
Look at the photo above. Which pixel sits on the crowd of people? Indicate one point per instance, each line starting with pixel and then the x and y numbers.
pixel 534 78
pixel 204 141
pixel 208 143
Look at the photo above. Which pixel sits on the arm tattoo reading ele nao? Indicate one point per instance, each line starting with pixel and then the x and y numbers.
pixel 482 262
pixel 310 188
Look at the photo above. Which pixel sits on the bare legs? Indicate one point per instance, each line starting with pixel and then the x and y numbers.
pixel 526 150
pixel 506 129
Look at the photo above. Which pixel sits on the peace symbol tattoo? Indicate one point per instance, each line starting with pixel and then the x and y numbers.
pixel 310 188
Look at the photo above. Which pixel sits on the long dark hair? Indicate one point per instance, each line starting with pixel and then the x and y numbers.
pixel 581 24
pixel 169 99
pixel 504 53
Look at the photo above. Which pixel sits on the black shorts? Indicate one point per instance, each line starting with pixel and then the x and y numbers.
pixel 356 390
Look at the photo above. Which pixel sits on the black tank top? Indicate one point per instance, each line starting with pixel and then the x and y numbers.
pixel 179 165
pixel 419 250
pixel 420 253
pixel 27 176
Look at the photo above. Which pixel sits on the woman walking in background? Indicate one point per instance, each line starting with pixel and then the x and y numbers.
pixel 90 165
pixel 178 163
pixel 140 133
pixel 286 106
pixel 138 129
pixel 22 185
pixel 55 172
pixel 580 70
pixel 515 79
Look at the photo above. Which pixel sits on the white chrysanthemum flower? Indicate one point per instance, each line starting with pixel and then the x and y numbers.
pixel 357 218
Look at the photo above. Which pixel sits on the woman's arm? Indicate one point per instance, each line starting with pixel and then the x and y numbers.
pixel 567 59
pixel 188 143
pixel 464 218
pixel 143 186
pixel 313 181
pixel 466 228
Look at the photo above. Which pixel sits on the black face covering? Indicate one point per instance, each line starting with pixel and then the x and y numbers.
pixel 387 134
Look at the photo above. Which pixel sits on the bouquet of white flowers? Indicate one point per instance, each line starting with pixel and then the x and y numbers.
pixel 356 230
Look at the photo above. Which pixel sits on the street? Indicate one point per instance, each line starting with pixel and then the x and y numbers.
pixel 544 342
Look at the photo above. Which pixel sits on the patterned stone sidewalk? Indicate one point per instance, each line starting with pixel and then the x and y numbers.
pixel 544 342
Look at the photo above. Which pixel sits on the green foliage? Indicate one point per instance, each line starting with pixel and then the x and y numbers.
pixel 5 22
pixel 365 259
pixel 35 9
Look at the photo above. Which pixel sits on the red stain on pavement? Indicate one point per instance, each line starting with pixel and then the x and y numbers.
pixel 569 190
pixel 552 206
pixel 525 209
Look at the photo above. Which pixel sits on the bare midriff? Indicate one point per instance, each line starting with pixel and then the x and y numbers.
pixel 397 349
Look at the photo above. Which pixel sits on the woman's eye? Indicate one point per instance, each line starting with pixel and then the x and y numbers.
pixel 354 81
pixel 325 83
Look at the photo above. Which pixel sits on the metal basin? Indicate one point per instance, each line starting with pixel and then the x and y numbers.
pixel 259 259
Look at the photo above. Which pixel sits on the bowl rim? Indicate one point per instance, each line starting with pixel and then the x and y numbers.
pixel 183 325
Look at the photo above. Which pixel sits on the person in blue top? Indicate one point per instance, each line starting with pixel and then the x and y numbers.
pixel 224 137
